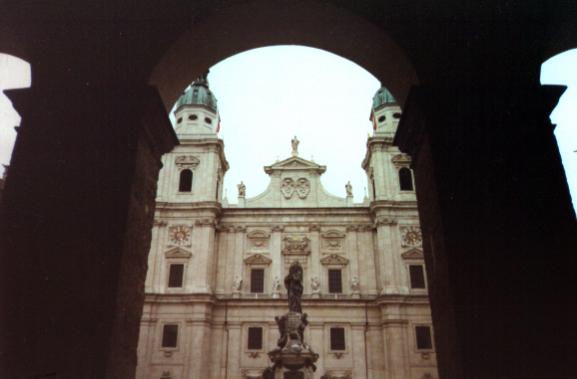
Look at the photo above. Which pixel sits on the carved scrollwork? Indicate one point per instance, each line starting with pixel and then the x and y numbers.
pixel 302 187
pixel 411 236
pixel 334 260
pixel 186 161
pixel 296 246
pixel 179 235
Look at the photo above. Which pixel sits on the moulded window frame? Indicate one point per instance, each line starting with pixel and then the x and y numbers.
pixel 166 274
pixel 399 179
pixel 178 336
pixel 344 279
pixel 408 271
pixel 347 334
pixel 179 173
pixel 263 340
pixel 414 333
pixel 169 263
pixel 264 279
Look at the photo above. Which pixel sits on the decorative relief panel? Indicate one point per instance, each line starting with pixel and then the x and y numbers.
pixel 258 240
pixel 179 235
pixel 301 186
pixel 332 240
pixel 257 259
pixel 296 245
pixel 411 236
pixel 334 260
pixel 186 161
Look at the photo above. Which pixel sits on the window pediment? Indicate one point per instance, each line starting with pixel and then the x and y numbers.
pixel 177 252
pixel 413 254
pixel 257 259
pixel 334 260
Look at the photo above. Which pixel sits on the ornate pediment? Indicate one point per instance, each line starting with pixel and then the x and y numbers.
pixel 296 246
pixel 178 252
pixel 413 254
pixel 334 260
pixel 257 259
pixel 295 164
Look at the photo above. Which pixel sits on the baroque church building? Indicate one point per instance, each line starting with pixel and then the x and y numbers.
pixel 215 270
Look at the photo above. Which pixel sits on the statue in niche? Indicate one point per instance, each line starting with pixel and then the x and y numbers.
pixel 349 189
pixel 295 146
pixel 276 285
pixel 294 285
pixel 241 189
pixel 315 284
pixel 237 284
pixel 355 285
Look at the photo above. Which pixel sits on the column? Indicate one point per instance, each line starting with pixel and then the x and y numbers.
pixel 394 336
pixel 359 353
pixel 388 276
pixel 499 232
pixel 275 252
pixel 353 253
pixel 203 234
pixel 315 258
pixel 234 349
pixel 75 226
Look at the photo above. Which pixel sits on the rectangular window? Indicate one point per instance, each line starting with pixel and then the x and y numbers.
pixel 257 280
pixel 337 339
pixel 423 334
pixel 175 275
pixel 335 281
pixel 169 335
pixel 417 275
pixel 254 338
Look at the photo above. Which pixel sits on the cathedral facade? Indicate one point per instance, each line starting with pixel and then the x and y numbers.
pixel 216 270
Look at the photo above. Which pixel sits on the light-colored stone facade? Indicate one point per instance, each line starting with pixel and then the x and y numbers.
pixel 373 244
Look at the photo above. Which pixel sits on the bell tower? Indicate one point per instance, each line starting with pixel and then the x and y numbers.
pixel 194 170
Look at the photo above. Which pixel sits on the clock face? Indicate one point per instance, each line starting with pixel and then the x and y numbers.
pixel 179 234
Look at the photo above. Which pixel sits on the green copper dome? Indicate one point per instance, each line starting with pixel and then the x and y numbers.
pixel 198 94
pixel 383 97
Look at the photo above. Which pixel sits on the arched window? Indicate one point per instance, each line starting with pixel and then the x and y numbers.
pixel 185 183
pixel 406 179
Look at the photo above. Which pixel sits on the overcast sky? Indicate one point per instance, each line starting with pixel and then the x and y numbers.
pixel 266 96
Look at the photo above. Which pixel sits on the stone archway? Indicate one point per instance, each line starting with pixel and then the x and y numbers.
pixel 324 26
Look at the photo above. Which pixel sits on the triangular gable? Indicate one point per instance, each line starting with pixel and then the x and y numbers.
pixel 413 254
pixel 334 259
pixel 257 259
pixel 177 252
pixel 293 164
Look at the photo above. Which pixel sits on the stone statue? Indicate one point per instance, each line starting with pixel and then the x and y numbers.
pixel 349 189
pixel 276 285
pixel 295 146
pixel 315 284
pixel 237 284
pixel 294 285
pixel 241 189
pixel 355 285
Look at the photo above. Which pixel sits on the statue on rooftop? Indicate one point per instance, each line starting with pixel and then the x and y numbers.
pixel 295 146
pixel 349 189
